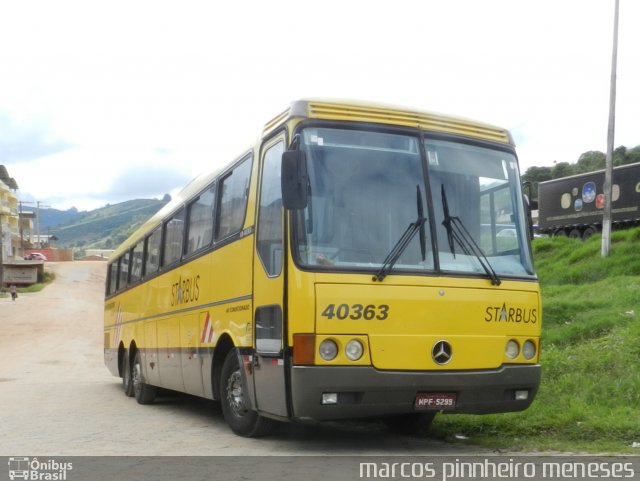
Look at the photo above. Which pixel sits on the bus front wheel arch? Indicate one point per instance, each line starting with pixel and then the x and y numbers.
pixel 235 403
pixel 223 347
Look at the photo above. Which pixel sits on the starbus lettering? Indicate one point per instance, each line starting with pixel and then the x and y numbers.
pixel 511 314
pixel 185 290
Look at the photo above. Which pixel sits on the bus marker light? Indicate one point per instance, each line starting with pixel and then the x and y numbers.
pixel 329 398
pixel 522 395
pixel 247 362
pixel 304 349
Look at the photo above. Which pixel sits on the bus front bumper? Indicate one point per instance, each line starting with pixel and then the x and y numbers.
pixel 367 392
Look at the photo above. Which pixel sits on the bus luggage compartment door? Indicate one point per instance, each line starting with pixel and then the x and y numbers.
pixel 269 366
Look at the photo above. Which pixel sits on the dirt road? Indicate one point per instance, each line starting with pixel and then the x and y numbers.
pixel 58 399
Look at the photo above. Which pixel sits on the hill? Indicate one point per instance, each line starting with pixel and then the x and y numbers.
pixel 589 399
pixel 102 228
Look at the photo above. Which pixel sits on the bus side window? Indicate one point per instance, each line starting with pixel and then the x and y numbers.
pixel 136 262
pixel 124 270
pixel 113 277
pixel 200 221
pixel 233 192
pixel 152 261
pixel 173 238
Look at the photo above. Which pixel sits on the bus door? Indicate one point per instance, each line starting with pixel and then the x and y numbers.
pixel 268 288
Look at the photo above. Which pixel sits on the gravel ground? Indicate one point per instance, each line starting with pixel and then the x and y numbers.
pixel 58 398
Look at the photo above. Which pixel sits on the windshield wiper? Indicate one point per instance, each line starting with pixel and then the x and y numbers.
pixel 458 232
pixel 404 241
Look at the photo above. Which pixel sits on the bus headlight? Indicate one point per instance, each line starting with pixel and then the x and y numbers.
pixel 512 349
pixel 354 349
pixel 528 350
pixel 328 350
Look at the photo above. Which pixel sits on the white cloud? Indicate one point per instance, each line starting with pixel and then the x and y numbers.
pixel 121 81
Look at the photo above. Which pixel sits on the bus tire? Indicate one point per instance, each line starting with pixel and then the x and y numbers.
pixel 575 234
pixel 127 379
pixel 413 424
pixel 241 418
pixel 144 393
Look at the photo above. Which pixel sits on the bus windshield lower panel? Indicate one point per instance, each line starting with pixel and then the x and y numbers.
pixel 363 196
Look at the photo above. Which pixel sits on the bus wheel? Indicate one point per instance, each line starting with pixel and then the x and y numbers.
pixel 145 393
pixel 127 381
pixel 240 418
pixel 414 424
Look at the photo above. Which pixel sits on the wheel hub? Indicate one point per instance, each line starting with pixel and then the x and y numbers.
pixel 235 394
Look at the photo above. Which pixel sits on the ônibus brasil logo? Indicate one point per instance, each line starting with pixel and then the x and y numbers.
pixel 33 469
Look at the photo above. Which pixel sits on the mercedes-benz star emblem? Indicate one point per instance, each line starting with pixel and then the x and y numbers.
pixel 441 352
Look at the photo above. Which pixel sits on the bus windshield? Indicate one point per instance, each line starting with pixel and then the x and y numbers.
pixel 364 191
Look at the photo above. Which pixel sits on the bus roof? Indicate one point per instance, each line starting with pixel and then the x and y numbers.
pixel 356 111
pixel 338 110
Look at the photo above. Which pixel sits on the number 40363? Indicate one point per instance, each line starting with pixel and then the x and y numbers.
pixel 356 311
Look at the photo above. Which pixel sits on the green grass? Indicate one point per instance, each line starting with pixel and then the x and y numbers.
pixel 589 399
pixel 47 279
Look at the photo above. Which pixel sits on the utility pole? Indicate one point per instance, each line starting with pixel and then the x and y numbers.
pixel 608 173
pixel 37 224
pixel 38 206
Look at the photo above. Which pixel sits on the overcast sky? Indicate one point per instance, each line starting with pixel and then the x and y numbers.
pixel 107 101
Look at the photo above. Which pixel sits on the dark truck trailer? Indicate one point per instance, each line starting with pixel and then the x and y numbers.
pixel 574 206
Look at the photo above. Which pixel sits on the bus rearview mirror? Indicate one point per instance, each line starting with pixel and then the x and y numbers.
pixel 294 180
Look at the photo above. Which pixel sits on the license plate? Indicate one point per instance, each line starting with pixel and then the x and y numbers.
pixel 436 401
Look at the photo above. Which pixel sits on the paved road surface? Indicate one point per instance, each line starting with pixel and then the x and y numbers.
pixel 57 398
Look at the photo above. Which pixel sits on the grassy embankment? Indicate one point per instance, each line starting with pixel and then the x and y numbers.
pixel 589 399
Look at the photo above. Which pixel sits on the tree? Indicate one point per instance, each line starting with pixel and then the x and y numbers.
pixel 632 155
pixel 562 169
pixel 589 162
pixel 620 155
pixel 534 175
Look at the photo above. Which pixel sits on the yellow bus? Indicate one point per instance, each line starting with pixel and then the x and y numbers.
pixel 357 261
